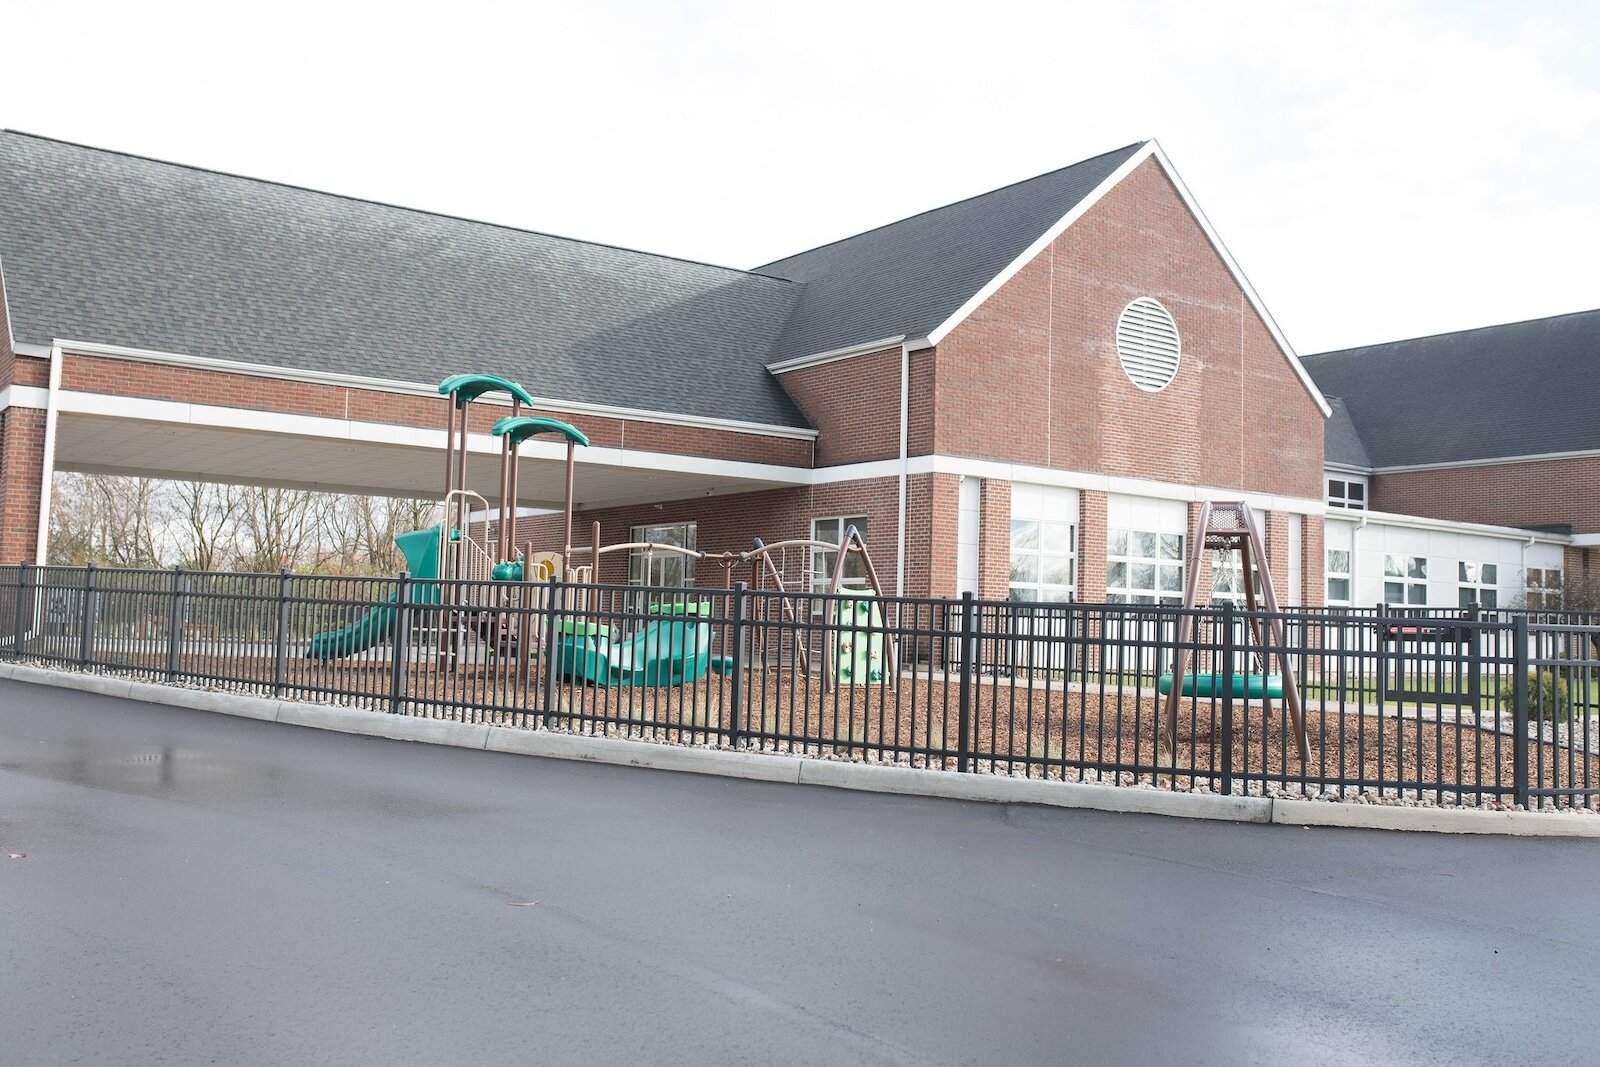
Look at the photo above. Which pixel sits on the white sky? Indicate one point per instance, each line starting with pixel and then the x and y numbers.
pixel 1380 170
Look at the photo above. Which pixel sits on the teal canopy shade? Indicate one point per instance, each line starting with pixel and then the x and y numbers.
pixel 521 427
pixel 465 388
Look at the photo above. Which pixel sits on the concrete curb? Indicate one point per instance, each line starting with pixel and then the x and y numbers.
pixel 862 777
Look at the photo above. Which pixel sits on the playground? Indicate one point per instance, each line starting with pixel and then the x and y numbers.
pixel 775 655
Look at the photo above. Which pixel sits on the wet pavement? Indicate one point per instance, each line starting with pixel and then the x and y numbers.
pixel 198 889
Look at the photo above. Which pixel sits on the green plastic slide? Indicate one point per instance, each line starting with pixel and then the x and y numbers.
pixel 421 548
pixel 673 650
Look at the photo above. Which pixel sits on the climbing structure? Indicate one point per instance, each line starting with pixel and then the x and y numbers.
pixel 1230 526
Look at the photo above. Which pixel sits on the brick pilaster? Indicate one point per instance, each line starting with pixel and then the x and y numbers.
pixel 994 539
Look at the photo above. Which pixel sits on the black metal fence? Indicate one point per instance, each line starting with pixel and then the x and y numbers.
pixel 1457 708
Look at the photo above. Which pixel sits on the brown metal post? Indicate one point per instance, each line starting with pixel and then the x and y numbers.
pixel 566 535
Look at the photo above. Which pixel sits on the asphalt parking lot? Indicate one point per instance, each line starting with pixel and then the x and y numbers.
pixel 189 888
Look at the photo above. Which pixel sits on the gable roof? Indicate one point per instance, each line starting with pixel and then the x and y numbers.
pixel 101 246
pixel 1518 389
pixel 910 276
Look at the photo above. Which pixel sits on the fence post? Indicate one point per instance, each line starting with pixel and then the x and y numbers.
pixel 1519 710
pixel 22 614
pixel 1228 654
pixel 552 642
pixel 175 621
pixel 86 630
pixel 736 706
pixel 967 680
pixel 280 647
pixel 400 647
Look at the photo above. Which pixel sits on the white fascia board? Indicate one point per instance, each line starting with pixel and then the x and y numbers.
pixel 11 338
pixel 1347 468
pixel 24 396
pixel 1106 483
pixel 817 359
pixel 391 385
pixel 1243 283
pixel 1422 522
pixel 1044 241
pixel 23 348
pixel 1496 461
pixel 1586 540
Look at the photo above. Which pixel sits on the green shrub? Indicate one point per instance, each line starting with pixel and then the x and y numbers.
pixel 1548 699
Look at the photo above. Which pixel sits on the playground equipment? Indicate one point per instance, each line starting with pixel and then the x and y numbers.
pixel 861 651
pixel 484 585
pixel 673 649
pixel 453 552
pixel 1231 526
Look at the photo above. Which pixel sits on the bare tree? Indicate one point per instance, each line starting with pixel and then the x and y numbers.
pixel 204 516
pixel 118 522
pixel 278 527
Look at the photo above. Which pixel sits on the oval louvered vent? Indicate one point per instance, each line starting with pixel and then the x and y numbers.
pixel 1147 345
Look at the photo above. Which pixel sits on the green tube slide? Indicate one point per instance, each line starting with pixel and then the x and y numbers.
pixel 421 548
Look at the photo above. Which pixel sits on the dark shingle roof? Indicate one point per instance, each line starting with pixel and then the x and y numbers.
pixel 102 246
pixel 910 276
pixel 1521 389
pixel 108 247
pixel 1341 443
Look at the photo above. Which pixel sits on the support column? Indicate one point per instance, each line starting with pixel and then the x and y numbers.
pixel 21 478
pixel 1092 546
pixel 994 539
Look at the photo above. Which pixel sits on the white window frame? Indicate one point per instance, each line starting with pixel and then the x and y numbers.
pixel 1039 548
pixel 1332 573
pixel 1126 559
pixel 1538 592
pixel 822 560
pixel 1410 575
pixel 643 568
pixel 1340 496
pixel 1478 583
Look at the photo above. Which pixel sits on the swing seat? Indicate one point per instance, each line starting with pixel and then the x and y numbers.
pixel 1249 686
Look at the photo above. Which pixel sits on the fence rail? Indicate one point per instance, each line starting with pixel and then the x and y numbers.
pixel 1464 708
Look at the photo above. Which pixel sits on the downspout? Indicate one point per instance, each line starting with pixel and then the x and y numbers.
pixel 48 464
pixel 1355 540
pixel 905 463
pixel 1525 546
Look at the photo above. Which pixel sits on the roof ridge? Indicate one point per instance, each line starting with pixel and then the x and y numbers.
pixel 942 207
pixel 1450 333
pixel 389 206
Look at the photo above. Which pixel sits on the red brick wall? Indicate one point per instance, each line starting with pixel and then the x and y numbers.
pixel 855 405
pixel 131 378
pixel 731 523
pixel 1033 376
pixel 1545 493
pixel 21 466
pixel 1313 589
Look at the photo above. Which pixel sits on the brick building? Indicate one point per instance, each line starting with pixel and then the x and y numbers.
pixel 1026 393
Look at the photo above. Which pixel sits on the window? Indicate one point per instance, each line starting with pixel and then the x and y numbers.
pixel 1479 583
pixel 1350 493
pixel 1144 567
pixel 832 530
pixel 1405 580
pixel 1043 560
pixel 1543 589
pixel 662 568
pixel 1338 576
pixel 1227 577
